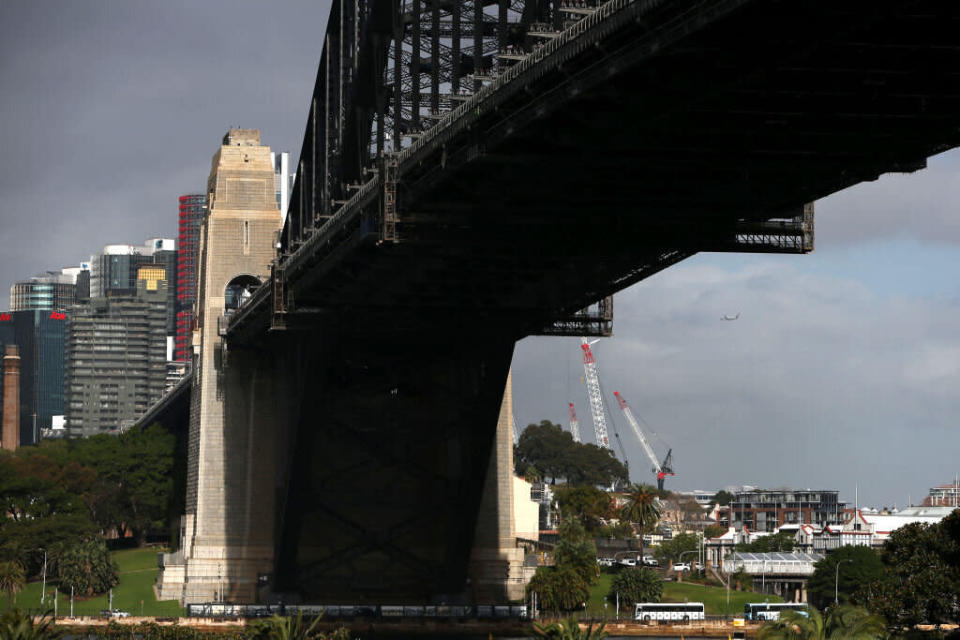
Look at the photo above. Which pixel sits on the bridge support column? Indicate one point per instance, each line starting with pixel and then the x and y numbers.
pixel 227 532
pixel 496 563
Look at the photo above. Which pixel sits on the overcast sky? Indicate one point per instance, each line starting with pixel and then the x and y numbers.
pixel 843 368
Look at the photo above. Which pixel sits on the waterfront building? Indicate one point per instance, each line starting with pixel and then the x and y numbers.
pixel 116 358
pixel 945 495
pixel 192 210
pixel 767 509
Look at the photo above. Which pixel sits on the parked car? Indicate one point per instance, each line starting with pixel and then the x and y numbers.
pixel 650 561
pixel 114 613
pixel 605 562
pixel 681 566
pixel 628 562
pixel 698 566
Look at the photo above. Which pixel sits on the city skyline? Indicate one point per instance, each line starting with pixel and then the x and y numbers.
pixel 842 368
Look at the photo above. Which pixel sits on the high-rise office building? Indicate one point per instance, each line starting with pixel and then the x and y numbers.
pixel 115 272
pixel 192 208
pixel 40 337
pixel 53 290
pixel 116 358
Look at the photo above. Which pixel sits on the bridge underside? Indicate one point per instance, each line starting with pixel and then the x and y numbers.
pixel 386 460
pixel 681 127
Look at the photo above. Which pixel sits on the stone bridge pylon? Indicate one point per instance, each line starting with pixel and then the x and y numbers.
pixel 226 535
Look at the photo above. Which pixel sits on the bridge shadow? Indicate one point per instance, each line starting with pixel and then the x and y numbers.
pixel 376 448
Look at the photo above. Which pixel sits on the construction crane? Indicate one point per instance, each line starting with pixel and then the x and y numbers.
pixel 592 379
pixel 574 424
pixel 660 469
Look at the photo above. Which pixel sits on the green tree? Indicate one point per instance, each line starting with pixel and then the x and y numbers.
pixel 134 483
pixel 87 568
pixel 636 584
pixel 559 588
pixel 783 541
pixel 575 550
pixel 922 577
pixel 586 503
pixel 12 580
pixel 569 629
pixel 642 508
pixel 671 550
pixel 41 496
pixel 843 623
pixel 553 452
pixel 714 531
pixel 16 625
pixel 742 580
pixel 858 566
pixel 619 531
pixel 722 498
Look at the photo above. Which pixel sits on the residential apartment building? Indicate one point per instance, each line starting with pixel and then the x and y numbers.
pixel 767 509
pixel 116 358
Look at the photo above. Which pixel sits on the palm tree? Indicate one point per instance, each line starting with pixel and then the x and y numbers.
pixel 854 623
pixel 569 629
pixel 287 628
pixel 12 580
pixel 16 625
pixel 846 622
pixel 642 507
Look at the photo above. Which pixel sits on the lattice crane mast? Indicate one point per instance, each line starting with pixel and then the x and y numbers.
pixel 574 424
pixel 661 470
pixel 592 379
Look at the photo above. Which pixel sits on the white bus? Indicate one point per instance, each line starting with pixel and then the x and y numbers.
pixel 771 610
pixel 669 611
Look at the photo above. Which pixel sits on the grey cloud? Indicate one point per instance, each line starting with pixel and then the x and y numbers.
pixel 820 382
pixel 112 110
pixel 920 205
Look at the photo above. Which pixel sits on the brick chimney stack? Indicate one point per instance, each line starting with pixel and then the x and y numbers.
pixel 10 438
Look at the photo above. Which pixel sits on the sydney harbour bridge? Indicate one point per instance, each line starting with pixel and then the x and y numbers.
pixel 478 171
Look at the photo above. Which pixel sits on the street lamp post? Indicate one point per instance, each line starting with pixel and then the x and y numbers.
pixel 43 589
pixel 836 582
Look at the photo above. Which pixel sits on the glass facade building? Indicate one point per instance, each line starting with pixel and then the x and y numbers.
pixel 41 338
pixel 53 291
pixel 192 208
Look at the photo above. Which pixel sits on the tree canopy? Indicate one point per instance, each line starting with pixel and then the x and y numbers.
pixel 60 493
pixel 858 566
pixel 784 541
pixel 842 623
pixel 636 584
pixel 566 586
pixel 921 581
pixel 586 503
pixel 552 451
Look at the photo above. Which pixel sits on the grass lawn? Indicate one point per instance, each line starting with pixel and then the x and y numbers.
pixel 138 574
pixel 713 598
